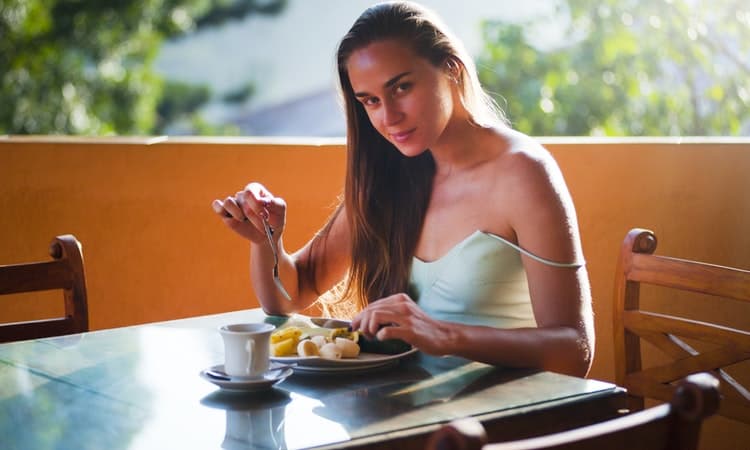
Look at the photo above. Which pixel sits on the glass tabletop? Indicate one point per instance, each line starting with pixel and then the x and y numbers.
pixel 139 388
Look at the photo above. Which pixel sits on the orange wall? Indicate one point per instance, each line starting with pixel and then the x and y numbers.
pixel 154 250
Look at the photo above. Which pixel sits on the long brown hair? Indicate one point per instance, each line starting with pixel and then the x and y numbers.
pixel 386 194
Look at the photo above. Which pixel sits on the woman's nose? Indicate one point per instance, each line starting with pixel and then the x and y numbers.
pixel 391 113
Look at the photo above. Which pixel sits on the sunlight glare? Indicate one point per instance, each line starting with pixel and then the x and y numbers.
pixel 744 95
pixel 547 105
pixel 626 19
pixel 298 423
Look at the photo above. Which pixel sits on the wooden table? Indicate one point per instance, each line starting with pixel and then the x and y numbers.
pixel 139 388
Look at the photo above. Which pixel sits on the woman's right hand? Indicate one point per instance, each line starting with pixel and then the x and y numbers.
pixel 244 212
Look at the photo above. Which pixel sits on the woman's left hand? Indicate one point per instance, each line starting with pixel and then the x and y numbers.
pixel 399 317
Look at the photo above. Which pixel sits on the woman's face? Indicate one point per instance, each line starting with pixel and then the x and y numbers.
pixel 408 100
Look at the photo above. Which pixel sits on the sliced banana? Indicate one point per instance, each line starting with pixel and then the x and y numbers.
pixel 330 351
pixel 349 349
pixel 319 341
pixel 307 348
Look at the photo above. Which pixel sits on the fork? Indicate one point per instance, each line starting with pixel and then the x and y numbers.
pixel 271 242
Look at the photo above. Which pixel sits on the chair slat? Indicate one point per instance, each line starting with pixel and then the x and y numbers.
pixel 65 272
pixel 690 276
pixel 33 277
pixel 702 362
pixel 36 329
pixel 667 343
pixel 694 329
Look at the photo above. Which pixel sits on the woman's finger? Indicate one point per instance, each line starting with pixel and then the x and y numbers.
pixel 232 209
pixel 403 333
pixel 218 207
pixel 246 203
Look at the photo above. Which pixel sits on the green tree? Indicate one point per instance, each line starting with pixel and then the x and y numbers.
pixel 85 66
pixel 626 68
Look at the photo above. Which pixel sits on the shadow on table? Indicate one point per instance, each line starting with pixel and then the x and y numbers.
pixel 360 402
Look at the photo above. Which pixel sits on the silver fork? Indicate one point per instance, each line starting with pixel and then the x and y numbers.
pixel 271 242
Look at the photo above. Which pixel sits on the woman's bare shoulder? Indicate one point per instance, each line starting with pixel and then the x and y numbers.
pixel 525 161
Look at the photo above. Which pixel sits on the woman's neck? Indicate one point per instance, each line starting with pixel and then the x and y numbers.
pixel 464 146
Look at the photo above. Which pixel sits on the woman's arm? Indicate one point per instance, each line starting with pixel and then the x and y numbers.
pixel 327 252
pixel 326 257
pixel 560 348
pixel 546 225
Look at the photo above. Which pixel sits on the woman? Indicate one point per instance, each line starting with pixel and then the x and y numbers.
pixel 456 233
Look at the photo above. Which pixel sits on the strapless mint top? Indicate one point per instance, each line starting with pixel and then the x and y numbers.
pixel 480 281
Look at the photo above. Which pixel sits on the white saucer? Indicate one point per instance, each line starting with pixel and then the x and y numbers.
pixel 271 377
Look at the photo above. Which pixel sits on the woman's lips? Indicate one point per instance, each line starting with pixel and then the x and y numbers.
pixel 402 136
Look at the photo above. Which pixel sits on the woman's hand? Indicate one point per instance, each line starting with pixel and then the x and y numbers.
pixel 244 212
pixel 399 317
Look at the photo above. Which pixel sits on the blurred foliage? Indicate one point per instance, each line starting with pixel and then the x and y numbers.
pixel 626 68
pixel 85 66
pixel 179 99
pixel 240 94
pixel 623 67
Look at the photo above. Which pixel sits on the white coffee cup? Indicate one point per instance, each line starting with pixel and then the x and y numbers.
pixel 246 349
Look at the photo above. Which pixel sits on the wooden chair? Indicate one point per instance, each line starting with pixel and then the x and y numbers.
pixel 638 265
pixel 64 272
pixel 670 426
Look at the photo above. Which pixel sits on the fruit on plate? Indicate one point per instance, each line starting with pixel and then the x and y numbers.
pixel 307 348
pixel 284 341
pixel 319 341
pixel 311 341
pixel 281 334
pixel 349 348
pixel 331 351
pixel 343 333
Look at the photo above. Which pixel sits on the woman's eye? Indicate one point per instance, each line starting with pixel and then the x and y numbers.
pixel 403 87
pixel 370 101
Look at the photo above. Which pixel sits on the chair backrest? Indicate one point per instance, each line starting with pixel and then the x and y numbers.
pixel 65 272
pixel 720 346
pixel 671 426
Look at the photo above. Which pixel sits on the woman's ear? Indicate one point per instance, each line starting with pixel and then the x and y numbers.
pixel 453 70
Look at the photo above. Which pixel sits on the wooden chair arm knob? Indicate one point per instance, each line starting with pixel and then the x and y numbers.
pixel 697 397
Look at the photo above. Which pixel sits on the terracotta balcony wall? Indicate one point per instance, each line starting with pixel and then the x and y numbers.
pixel 154 250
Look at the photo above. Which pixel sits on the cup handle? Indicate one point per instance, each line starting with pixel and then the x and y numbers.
pixel 250 349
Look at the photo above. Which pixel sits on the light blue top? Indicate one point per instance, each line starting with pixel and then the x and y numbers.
pixel 480 281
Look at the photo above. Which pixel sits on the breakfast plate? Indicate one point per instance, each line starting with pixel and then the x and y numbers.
pixel 316 364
